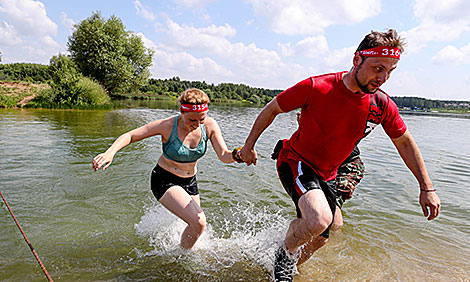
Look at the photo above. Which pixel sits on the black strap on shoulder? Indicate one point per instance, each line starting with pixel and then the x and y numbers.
pixel 380 100
pixel 376 110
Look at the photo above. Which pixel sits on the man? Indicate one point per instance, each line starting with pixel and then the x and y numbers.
pixel 338 110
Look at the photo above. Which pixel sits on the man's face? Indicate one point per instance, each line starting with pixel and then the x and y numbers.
pixel 370 73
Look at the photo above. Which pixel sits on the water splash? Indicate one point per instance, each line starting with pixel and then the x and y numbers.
pixel 249 236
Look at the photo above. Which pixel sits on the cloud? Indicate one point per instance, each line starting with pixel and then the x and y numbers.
pixel 405 83
pixel 49 42
pixel 213 42
pixel 143 11
pixel 8 35
pixel 441 11
pixel 294 17
pixel 310 47
pixel 467 79
pixel 26 32
pixel 451 55
pixel 147 42
pixel 341 58
pixel 316 48
pixel 210 39
pixel 435 86
pixel 169 63
pixel 220 60
pixel 67 22
pixel 187 66
pixel 193 3
pixel 28 17
pixel 440 21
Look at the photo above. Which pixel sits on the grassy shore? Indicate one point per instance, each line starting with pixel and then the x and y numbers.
pixel 18 93
pixel 142 96
pixel 171 97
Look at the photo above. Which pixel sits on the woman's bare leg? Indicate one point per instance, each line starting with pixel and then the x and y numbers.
pixel 186 207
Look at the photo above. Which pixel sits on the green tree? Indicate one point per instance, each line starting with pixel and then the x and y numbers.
pixel 65 77
pixel 105 51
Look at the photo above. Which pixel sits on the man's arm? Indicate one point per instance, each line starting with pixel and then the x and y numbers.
pixel 413 159
pixel 264 119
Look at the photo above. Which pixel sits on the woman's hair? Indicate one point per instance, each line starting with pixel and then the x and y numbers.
pixel 377 38
pixel 193 96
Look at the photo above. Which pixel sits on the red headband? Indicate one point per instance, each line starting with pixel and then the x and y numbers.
pixel 382 51
pixel 194 108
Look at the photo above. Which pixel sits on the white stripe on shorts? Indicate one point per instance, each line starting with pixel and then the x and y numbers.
pixel 299 169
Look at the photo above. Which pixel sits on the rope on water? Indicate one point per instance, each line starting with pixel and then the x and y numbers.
pixel 26 239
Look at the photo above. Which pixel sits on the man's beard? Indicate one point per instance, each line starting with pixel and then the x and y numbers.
pixel 362 86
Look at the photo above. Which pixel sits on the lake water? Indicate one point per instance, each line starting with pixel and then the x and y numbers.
pixel 106 226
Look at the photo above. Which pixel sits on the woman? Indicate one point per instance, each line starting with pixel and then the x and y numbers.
pixel 184 138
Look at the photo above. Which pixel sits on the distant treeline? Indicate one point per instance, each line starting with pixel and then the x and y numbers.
pixel 36 73
pixel 172 87
pixel 422 103
pixel 223 91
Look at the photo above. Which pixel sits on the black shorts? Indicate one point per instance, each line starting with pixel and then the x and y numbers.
pixel 298 178
pixel 161 180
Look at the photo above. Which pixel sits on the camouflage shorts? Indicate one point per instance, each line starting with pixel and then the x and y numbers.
pixel 348 176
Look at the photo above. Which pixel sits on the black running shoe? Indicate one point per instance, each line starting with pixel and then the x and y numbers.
pixel 284 265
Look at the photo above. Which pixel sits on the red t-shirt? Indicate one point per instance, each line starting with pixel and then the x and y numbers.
pixel 334 120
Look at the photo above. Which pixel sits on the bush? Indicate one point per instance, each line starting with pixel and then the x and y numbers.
pixel 91 93
pixel 7 101
pixel 69 88
pixel 45 99
pixel 254 99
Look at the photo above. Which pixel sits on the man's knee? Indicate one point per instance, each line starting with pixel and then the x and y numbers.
pixel 315 225
pixel 316 213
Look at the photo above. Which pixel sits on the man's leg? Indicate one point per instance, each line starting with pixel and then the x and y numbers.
pixel 316 217
pixel 349 175
pixel 315 206
pixel 317 242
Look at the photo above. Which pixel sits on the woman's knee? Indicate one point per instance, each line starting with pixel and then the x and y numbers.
pixel 198 223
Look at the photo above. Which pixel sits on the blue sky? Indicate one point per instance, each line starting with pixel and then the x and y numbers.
pixel 262 43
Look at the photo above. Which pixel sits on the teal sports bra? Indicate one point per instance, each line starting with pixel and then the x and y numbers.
pixel 175 150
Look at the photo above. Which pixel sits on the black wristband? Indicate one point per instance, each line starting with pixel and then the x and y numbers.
pixel 428 190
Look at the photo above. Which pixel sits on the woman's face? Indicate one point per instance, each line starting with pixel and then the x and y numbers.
pixel 193 120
